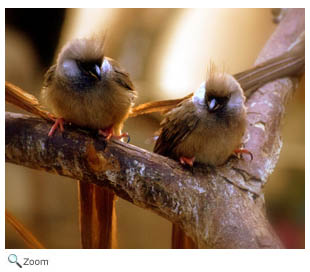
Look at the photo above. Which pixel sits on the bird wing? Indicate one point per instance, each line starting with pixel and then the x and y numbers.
pixel 162 106
pixel 49 76
pixel 176 127
pixel 121 77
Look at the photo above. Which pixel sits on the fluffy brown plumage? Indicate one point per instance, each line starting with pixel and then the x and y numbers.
pixel 88 89
pixel 207 127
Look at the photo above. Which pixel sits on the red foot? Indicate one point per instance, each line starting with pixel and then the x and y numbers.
pixel 108 133
pixel 51 116
pixel 58 122
pixel 188 161
pixel 123 135
pixel 243 151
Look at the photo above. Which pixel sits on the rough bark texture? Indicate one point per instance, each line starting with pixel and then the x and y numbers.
pixel 219 207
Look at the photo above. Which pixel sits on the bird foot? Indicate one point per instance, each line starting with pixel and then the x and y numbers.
pixel 187 161
pixel 239 151
pixel 107 133
pixel 59 122
pixel 123 135
pixel 52 117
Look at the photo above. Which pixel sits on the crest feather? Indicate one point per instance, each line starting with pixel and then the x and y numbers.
pixel 219 83
pixel 83 49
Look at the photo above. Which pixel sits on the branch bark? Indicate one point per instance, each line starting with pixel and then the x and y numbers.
pixel 219 207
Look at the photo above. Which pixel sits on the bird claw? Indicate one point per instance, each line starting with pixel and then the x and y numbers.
pixel 108 134
pixel 58 123
pixel 187 161
pixel 123 135
pixel 238 152
pixel 51 116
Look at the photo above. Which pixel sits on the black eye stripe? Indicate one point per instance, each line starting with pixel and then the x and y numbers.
pixel 215 103
pixel 89 67
pixel 219 100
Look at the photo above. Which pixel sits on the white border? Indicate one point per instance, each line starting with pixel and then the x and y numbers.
pixel 163 260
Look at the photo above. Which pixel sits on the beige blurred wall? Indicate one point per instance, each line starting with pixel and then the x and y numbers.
pixel 166 51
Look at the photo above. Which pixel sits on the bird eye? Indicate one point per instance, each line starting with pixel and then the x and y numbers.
pixel 90 68
pixel 216 103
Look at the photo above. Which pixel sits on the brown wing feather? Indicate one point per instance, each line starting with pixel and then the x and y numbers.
pixel 123 79
pixel 121 76
pixel 49 76
pixel 162 106
pixel 176 126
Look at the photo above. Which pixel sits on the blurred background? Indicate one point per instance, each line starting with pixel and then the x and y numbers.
pixel 166 52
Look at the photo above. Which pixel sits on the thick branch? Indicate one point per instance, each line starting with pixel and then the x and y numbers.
pixel 197 200
pixel 218 207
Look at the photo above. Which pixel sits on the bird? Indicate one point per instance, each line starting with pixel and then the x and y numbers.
pixel 207 127
pixel 92 91
pixel 88 89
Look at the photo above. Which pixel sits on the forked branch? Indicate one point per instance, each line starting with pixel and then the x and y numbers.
pixel 218 207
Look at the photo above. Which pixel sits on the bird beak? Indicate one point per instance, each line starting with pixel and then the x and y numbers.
pixel 106 66
pixel 96 73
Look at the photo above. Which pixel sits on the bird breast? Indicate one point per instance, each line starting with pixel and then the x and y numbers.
pixel 213 143
pixel 101 107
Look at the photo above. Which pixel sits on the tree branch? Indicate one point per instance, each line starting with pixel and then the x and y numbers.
pixel 218 207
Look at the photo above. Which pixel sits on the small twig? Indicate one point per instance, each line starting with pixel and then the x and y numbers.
pixel 218 207
pixel 25 101
pixel 26 235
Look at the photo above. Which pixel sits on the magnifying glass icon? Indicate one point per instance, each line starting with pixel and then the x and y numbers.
pixel 13 259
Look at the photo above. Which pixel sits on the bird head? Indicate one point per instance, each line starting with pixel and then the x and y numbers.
pixel 220 94
pixel 82 64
